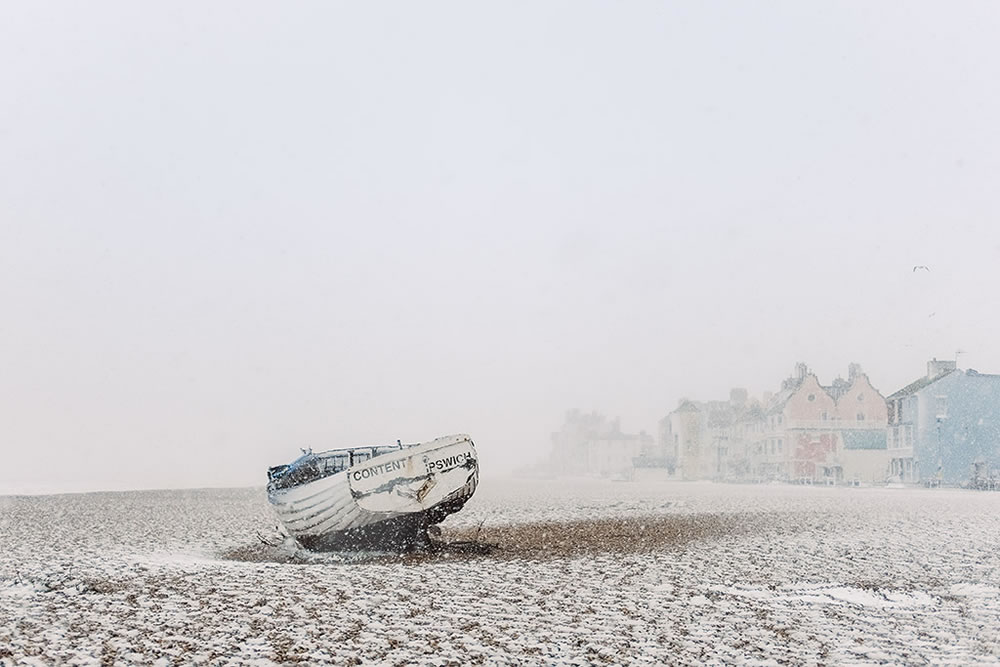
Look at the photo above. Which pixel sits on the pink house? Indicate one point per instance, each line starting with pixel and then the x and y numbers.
pixel 818 433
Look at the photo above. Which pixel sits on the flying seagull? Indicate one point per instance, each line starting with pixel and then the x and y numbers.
pixel 916 268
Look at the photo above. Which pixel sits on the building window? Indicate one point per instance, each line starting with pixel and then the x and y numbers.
pixel 941 406
pixel 861 417
pixel 861 397
pixel 811 397
pixel 779 444
pixel 825 415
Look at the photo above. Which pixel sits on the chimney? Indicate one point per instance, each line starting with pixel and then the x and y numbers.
pixel 801 370
pixel 853 371
pixel 738 396
pixel 936 368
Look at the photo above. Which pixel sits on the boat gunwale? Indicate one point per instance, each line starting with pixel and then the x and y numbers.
pixel 422 446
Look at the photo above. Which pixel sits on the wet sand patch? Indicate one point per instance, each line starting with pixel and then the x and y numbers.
pixel 528 541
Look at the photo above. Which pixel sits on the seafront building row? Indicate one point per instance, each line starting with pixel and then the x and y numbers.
pixel 806 431
pixel 942 428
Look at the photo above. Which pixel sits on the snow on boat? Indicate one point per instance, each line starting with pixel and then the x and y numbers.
pixel 373 497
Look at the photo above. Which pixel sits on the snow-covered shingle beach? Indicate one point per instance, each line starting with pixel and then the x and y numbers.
pixel 582 572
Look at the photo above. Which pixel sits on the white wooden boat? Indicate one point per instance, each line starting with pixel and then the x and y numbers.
pixel 373 497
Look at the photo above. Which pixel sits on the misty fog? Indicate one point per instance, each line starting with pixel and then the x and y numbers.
pixel 229 231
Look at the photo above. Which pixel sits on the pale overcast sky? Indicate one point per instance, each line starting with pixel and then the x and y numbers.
pixel 231 229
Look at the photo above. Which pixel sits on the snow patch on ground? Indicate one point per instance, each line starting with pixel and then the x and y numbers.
pixel 833 594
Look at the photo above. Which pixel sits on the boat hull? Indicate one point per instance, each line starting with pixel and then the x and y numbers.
pixel 387 502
